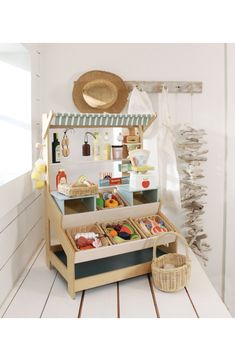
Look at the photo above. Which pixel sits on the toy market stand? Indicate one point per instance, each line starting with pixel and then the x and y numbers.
pixel 114 262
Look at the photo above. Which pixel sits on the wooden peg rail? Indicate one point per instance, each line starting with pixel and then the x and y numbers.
pixel 172 86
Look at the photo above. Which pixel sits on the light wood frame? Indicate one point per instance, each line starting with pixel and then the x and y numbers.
pixel 54 218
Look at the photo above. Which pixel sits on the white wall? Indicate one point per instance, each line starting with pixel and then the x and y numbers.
pixel 230 184
pixel 21 208
pixel 61 64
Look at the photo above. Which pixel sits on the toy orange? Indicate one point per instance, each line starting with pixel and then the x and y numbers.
pixel 113 233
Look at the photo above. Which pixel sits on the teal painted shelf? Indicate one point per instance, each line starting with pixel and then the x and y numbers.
pixel 70 205
pixel 135 196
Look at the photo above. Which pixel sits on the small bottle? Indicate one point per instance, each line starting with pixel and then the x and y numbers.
pixel 86 149
pixel 106 147
pixel 61 178
pixel 96 147
pixel 55 149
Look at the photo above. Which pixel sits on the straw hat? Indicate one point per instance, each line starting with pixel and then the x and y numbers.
pixel 100 91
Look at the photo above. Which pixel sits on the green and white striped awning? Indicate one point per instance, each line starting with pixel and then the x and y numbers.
pixel 102 120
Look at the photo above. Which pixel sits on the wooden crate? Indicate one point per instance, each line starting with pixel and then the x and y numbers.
pixel 71 232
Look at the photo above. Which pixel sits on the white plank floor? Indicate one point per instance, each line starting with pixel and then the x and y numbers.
pixel 41 292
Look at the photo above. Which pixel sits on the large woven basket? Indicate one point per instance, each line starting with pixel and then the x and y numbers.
pixel 173 279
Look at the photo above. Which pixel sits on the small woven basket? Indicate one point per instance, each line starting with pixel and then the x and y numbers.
pixel 171 279
pixel 76 191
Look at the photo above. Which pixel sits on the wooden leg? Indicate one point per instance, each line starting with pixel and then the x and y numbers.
pixel 71 290
pixel 48 242
pixel 71 275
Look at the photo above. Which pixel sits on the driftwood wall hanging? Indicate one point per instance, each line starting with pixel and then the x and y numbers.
pixel 192 153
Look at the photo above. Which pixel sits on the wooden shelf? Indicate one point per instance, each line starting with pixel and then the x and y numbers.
pixel 90 161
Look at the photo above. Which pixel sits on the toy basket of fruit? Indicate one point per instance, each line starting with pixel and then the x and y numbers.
pixel 87 237
pixel 151 225
pixel 121 231
pixel 108 199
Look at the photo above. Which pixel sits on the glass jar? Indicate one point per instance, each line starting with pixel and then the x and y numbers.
pixel 117 152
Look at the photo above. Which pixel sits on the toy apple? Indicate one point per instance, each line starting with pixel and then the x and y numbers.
pixel 145 183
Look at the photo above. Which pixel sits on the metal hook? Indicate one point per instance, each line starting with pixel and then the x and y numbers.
pixel 139 87
pixel 164 87
pixel 86 136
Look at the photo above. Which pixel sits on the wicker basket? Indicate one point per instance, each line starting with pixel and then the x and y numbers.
pixel 76 191
pixel 120 201
pixel 171 279
pixel 143 230
pixel 104 227
pixel 71 232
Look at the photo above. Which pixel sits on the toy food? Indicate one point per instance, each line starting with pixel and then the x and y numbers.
pixel 86 247
pixel 87 240
pixel 118 239
pixel 100 202
pixel 134 236
pixel 113 233
pixel 82 181
pixel 156 227
pixel 38 174
pixel 111 203
pixel 120 233
pixel 124 235
pixel 152 226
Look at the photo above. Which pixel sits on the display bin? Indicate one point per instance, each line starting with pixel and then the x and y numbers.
pixel 121 202
pixel 73 205
pixel 121 222
pixel 95 267
pixel 143 230
pixel 71 232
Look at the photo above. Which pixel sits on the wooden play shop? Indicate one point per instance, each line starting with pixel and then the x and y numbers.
pixel 70 215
